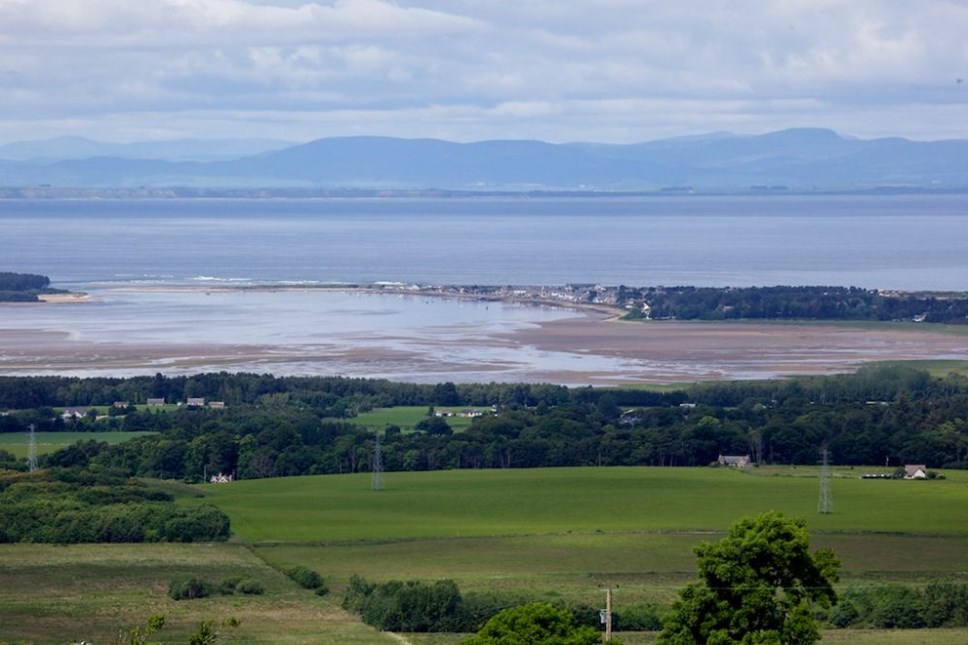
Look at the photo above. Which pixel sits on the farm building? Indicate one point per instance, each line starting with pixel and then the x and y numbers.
pixel 915 471
pixel 74 413
pixel 735 461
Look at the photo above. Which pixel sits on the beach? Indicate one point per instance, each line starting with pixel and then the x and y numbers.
pixel 427 339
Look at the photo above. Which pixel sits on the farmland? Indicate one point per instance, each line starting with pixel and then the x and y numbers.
pixel 48 442
pixel 406 417
pixel 558 534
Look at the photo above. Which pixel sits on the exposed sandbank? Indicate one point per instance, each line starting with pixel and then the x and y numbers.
pixel 582 349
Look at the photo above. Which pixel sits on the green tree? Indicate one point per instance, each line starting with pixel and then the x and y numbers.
pixel 536 623
pixel 139 635
pixel 757 588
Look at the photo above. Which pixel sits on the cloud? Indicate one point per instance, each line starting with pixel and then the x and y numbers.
pixel 579 70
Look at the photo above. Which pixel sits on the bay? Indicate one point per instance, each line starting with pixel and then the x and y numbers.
pixel 908 242
pixel 158 272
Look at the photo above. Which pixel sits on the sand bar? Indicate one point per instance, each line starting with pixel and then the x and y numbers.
pixel 583 348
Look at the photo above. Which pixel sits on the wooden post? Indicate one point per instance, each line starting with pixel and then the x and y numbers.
pixel 608 614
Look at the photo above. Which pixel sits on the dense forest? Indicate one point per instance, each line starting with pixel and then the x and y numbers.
pixel 294 426
pixel 791 303
pixel 24 287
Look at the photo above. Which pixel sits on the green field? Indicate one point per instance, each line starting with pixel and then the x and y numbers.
pixel 558 534
pixel 474 503
pixel 62 594
pixel 407 417
pixel 47 442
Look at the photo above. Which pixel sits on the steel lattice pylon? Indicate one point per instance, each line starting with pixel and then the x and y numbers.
pixel 825 504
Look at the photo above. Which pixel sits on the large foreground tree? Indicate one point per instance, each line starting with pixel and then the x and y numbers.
pixel 758 585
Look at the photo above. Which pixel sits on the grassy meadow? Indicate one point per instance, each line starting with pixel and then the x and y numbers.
pixel 475 503
pixel 47 442
pixel 62 594
pixel 562 533
pixel 557 534
pixel 408 416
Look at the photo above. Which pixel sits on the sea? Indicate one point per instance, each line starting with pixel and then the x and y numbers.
pixel 135 257
pixel 906 242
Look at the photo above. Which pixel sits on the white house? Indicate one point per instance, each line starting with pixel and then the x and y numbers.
pixel 915 471
pixel 735 461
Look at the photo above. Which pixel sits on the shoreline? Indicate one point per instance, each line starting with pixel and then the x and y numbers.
pixel 586 346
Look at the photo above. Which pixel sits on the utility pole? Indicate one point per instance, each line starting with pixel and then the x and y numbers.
pixel 606 614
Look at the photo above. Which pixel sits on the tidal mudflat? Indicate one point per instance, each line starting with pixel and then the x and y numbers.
pixel 133 331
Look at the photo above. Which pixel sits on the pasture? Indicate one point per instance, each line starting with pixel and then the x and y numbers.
pixel 47 442
pixel 62 594
pixel 478 503
pixel 562 533
pixel 407 417
pixel 555 534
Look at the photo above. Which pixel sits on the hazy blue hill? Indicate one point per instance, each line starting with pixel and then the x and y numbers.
pixel 61 148
pixel 806 158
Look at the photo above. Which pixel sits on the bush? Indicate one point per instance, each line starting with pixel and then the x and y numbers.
pixel 305 578
pixel 946 603
pixel 639 618
pixel 477 608
pixel 411 606
pixel 250 587
pixel 189 588
pixel 536 623
pixel 357 593
pixel 943 603
pixel 227 586
pixel 898 607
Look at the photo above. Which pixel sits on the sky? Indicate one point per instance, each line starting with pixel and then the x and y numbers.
pixel 617 71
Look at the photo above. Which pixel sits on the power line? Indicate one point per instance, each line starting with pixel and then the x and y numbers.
pixel 32 450
pixel 376 482
pixel 825 504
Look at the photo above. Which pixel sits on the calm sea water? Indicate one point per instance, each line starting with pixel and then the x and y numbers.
pixel 892 242
pixel 106 248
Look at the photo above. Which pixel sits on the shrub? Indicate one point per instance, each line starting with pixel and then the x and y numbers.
pixel 898 607
pixel 250 587
pixel 638 618
pixel 305 578
pixel 411 606
pixel 189 588
pixel 357 593
pixel 228 586
pixel 946 603
pixel 477 608
pixel 536 623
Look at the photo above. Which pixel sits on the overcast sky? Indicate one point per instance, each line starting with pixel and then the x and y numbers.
pixel 467 70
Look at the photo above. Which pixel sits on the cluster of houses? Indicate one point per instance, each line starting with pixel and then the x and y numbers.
pixel 79 412
pixel 910 471
pixel 467 413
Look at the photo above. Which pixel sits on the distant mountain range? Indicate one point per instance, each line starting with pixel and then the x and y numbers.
pixel 794 160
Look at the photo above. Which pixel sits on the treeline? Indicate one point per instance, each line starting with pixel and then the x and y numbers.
pixel 328 396
pixel 791 303
pixel 73 505
pixel 23 287
pixel 890 414
pixel 439 606
pixel 940 603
